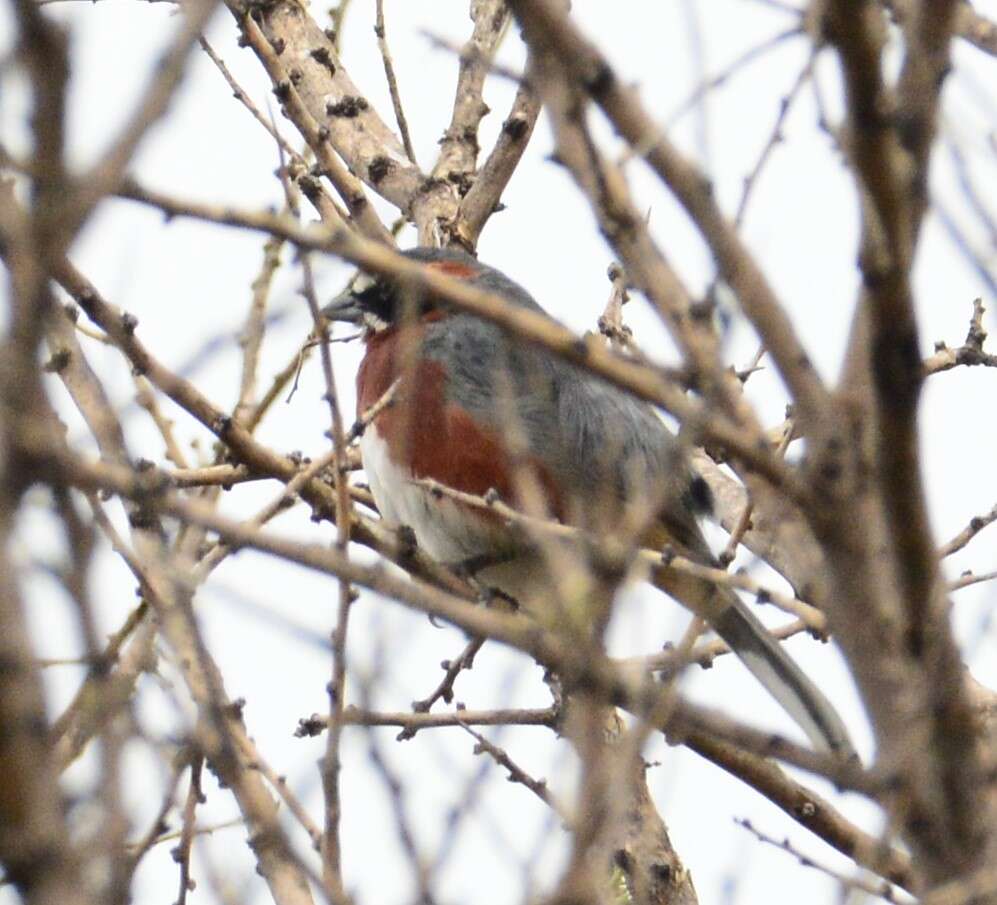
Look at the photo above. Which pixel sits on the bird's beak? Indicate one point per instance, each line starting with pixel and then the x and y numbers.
pixel 344 307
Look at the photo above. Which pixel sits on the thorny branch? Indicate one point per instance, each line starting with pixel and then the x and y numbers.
pixel 847 526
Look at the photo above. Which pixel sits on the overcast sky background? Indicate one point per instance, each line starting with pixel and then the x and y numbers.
pixel 267 624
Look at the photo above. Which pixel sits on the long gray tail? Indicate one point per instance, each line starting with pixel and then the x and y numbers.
pixel 782 678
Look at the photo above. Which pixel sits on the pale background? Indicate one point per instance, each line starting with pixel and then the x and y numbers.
pixel 267 624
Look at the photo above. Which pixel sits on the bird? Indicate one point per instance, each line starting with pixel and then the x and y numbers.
pixel 479 412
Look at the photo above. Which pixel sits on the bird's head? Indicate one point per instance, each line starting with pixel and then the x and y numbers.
pixel 378 303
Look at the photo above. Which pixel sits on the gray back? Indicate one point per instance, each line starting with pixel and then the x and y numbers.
pixel 603 447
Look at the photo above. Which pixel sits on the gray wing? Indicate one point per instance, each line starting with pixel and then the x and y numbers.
pixel 610 450
pixel 623 448
pixel 604 447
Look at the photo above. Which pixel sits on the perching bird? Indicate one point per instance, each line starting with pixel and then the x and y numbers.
pixel 480 412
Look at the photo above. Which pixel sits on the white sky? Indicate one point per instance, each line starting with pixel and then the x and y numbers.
pixel 188 285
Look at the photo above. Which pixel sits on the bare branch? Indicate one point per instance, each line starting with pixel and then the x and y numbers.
pixel 483 198
pixel 543 22
pixel 642 380
pixel 883 890
pixel 411 723
pixel 389 74
pixel 109 171
pixel 459 146
pixel 975 526
pixel 325 106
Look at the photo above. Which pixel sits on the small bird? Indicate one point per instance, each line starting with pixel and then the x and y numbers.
pixel 482 413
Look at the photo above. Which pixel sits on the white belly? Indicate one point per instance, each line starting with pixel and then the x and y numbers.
pixel 453 533
pixel 448 531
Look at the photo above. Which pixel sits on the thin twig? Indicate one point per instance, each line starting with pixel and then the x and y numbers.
pixel 389 75
pixel 668 662
pixel 145 396
pixel 744 519
pixel 970 353
pixel 411 723
pixel 815 619
pixel 181 854
pixel 453 668
pixel 611 320
pixel 882 889
pixel 169 69
pixel 516 773
pixel 387 399
pixel 251 337
pixel 715 81
pixel 968 578
pixel 243 98
pixel 651 383
pixel 255 761
pixel 331 845
pixel 775 138
pixel 975 526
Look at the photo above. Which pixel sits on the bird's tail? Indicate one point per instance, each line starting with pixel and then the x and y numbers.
pixel 768 662
pixel 764 657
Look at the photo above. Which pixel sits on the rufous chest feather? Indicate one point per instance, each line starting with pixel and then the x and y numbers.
pixel 428 434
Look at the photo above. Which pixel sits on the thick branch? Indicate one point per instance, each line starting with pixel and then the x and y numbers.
pixel 546 27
